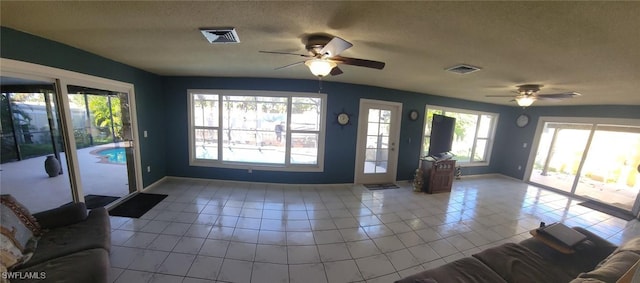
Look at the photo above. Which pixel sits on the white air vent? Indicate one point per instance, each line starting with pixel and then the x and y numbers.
pixel 463 69
pixel 220 35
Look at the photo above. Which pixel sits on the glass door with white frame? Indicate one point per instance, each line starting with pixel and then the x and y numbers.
pixel 610 172
pixel 560 152
pixel 104 141
pixel 31 137
pixel 597 161
pixel 378 137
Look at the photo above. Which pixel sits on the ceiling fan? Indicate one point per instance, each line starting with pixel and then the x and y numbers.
pixel 324 56
pixel 528 93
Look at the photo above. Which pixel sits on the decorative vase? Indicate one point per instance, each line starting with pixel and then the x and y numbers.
pixel 52 166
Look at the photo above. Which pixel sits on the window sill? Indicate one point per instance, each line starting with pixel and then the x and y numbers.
pixel 258 166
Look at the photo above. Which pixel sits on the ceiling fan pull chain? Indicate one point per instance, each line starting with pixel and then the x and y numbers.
pixel 319 84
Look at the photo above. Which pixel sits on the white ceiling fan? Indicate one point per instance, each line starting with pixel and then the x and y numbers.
pixel 527 94
pixel 324 56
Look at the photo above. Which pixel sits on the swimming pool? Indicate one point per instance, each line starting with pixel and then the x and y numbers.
pixel 114 155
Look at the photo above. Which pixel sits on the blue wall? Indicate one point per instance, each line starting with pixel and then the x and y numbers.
pixel 162 112
pixel 340 142
pixel 21 46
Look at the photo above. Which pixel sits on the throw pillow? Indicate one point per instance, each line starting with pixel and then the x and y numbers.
pixel 17 224
pixel 10 255
pixel 22 213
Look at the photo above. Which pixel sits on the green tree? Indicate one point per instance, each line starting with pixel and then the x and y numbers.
pixel 106 113
pixel 20 117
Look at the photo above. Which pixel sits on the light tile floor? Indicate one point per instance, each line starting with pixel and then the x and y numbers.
pixel 214 231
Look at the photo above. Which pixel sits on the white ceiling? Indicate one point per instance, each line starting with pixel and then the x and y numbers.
pixel 589 47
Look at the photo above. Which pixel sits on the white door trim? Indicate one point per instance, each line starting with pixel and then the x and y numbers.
pixel 64 78
pixel 594 121
pixel 394 137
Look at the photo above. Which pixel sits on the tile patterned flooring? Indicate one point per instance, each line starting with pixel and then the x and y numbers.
pixel 215 231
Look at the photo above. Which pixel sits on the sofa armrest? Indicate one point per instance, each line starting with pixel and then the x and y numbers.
pixel 587 254
pixel 594 240
pixel 62 216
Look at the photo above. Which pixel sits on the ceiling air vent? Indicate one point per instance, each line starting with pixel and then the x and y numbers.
pixel 463 69
pixel 220 35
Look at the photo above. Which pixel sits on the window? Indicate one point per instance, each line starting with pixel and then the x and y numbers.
pixel 257 129
pixel 473 134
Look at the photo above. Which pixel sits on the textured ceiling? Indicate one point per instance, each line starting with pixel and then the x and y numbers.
pixel 589 47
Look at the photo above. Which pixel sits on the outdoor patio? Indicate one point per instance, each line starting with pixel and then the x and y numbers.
pixel 613 194
pixel 28 182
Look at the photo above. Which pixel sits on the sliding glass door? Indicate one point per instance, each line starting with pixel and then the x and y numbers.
pixel 84 127
pixel 598 160
pixel 103 142
pixel 31 138
pixel 559 154
pixel 610 169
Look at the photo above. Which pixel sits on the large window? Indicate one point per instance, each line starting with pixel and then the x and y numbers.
pixel 473 134
pixel 257 129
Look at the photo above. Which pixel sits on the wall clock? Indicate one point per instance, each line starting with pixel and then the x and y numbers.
pixel 522 120
pixel 413 115
pixel 343 119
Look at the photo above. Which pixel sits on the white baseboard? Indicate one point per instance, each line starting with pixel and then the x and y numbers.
pixel 154 184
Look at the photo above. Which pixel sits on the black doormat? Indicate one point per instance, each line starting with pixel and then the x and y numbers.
pixel 137 206
pixel 613 211
pixel 95 201
pixel 373 187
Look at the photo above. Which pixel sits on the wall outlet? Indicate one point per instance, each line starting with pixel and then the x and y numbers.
pixel 145 134
pixel 148 169
pixel 250 170
pixel 519 168
pixel 524 145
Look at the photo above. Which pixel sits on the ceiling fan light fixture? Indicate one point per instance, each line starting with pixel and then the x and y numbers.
pixel 320 67
pixel 525 100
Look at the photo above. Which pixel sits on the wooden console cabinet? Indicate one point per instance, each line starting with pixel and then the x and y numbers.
pixel 437 175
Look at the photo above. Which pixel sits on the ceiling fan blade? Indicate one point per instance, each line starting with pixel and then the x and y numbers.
pixel 285 53
pixel 501 95
pixel 558 95
pixel 335 47
pixel 359 62
pixel 290 65
pixel 335 71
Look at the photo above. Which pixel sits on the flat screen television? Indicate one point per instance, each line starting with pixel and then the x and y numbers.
pixel 442 129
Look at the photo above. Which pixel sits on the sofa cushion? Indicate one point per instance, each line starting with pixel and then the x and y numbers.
pixel 93 232
pixel 62 216
pixel 612 268
pixel 84 266
pixel 463 270
pixel 516 263
pixel 632 245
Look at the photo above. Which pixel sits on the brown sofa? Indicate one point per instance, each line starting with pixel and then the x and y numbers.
pixel 595 260
pixel 73 246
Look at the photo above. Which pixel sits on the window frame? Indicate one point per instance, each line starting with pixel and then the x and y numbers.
pixel 287 166
pixel 490 139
